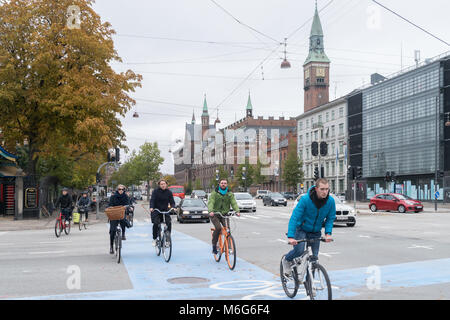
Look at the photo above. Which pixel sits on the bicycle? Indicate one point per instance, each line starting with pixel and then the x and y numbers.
pixel 226 242
pixel 117 213
pixel 130 215
pixel 82 223
pixel 309 272
pixel 164 241
pixel 61 225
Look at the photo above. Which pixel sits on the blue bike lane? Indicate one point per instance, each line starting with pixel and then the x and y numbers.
pixel 193 274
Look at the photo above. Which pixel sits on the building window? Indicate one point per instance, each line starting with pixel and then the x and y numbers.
pixel 341 129
pixel 341 112
pixel 300 139
pixel 332 114
pixel 327 117
pixel 332 131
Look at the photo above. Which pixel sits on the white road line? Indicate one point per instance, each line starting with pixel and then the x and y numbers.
pixel 329 254
pixel 282 240
pixel 257 218
pixel 3 233
pixel 55 242
pixel 47 252
pixel 420 247
pixel 361 236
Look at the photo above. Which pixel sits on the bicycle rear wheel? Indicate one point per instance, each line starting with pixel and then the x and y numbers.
pixel 320 284
pixel 58 228
pixel 166 246
pixel 67 227
pixel 290 282
pixel 130 219
pixel 118 245
pixel 230 252
pixel 218 256
pixel 80 222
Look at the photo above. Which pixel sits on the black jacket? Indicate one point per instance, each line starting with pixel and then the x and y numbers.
pixel 161 199
pixel 64 201
pixel 118 199
pixel 84 202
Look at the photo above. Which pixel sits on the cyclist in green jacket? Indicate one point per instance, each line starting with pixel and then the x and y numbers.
pixel 220 201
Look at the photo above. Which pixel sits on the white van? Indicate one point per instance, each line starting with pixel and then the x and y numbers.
pixel 261 193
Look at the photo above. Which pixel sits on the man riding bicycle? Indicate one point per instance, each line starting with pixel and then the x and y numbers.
pixel 161 199
pixel 220 200
pixel 312 211
pixel 84 203
pixel 119 198
pixel 65 201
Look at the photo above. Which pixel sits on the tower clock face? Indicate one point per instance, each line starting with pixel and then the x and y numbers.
pixel 320 72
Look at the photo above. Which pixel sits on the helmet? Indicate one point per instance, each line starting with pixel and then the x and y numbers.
pixel 65 189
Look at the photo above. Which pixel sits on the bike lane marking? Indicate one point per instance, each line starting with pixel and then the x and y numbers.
pixel 191 258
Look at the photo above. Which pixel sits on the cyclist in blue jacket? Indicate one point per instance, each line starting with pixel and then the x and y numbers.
pixel 312 211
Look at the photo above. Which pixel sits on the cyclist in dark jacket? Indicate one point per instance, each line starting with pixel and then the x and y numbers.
pixel 84 203
pixel 65 201
pixel 161 199
pixel 119 198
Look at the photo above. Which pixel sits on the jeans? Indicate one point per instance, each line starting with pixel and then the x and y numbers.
pixel 67 213
pixel 218 222
pixel 157 218
pixel 112 229
pixel 300 248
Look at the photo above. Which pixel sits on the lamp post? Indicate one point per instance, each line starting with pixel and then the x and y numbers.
pixel 244 177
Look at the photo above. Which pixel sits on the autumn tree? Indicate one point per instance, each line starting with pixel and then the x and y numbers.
pixel 292 171
pixel 58 92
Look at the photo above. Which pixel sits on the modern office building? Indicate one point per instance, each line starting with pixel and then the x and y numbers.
pixel 396 127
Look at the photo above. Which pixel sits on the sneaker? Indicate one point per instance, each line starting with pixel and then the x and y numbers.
pixel 124 238
pixel 287 267
pixel 111 250
pixel 154 243
pixel 214 250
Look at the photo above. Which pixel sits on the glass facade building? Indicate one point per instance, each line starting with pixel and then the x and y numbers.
pixel 403 131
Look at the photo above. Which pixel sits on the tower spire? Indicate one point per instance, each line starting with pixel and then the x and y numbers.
pixel 249 108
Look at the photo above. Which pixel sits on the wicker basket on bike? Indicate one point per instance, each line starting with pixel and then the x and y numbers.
pixel 115 213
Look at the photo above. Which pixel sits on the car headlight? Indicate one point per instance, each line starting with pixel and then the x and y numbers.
pixel 185 212
pixel 409 203
pixel 352 211
pixel 205 212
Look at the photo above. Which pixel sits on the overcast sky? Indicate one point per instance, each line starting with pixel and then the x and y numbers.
pixel 185 49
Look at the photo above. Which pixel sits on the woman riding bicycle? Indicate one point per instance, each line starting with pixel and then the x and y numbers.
pixel 84 203
pixel 119 198
pixel 220 201
pixel 161 199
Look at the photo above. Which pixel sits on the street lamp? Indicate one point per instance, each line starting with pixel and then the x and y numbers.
pixel 244 176
pixel 285 64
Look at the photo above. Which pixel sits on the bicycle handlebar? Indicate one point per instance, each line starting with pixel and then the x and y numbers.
pixel 164 212
pixel 231 213
pixel 313 240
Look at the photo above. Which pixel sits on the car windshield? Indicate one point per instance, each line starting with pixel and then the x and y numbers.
pixel 243 196
pixel 403 197
pixel 336 199
pixel 276 195
pixel 193 203
pixel 200 192
pixel 176 190
pixel 177 200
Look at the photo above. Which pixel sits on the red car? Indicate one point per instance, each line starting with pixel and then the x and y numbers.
pixel 394 202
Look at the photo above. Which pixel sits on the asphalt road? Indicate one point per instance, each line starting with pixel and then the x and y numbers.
pixel 385 256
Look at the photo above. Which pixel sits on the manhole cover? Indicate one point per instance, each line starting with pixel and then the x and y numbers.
pixel 187 280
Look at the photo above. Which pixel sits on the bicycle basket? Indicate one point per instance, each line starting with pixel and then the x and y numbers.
pixel 115 213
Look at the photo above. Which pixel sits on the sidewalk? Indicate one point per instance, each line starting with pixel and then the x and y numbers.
pixel 9 224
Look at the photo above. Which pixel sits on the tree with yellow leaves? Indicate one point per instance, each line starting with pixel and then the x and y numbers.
pixel 58 92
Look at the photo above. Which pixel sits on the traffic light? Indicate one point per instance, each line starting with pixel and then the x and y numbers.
pixel 387 177
pixel 441 174
pixel 351 173
pixel 316 173
pixel 117 154
pixel 315 149
pixel 392 176
pixel 359 173
pixel 97 177
pixel 323 148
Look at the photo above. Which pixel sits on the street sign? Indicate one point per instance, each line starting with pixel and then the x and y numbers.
pixel 436 195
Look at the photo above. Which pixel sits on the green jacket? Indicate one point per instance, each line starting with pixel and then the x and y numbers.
pixel 222 203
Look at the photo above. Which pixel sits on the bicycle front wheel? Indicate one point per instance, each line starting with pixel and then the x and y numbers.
pixel 166 246
pixel 58 228
pixel 130 219
pixel 320 286
pixel 289 280
pixel 158 244
pixel 80 223
pixel 230 252
pixel 118 244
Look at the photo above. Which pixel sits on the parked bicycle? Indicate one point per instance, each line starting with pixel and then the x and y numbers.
pixel 164 240
pixel 307 271
pixel 62 224
pixel 226 242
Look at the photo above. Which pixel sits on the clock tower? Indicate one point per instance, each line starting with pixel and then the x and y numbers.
pixel 316 69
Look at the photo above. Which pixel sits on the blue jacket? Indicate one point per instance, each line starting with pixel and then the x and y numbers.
pixel 307 216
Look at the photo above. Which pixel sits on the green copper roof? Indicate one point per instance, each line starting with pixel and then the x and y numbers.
pixel 316 47
pixel 205 108
pixel 249 103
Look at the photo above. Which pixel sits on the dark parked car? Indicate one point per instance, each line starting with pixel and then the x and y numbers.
pixel 274 199
pixel 289 195
pixel 199 194
pixel 395 202
pixel 192 210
